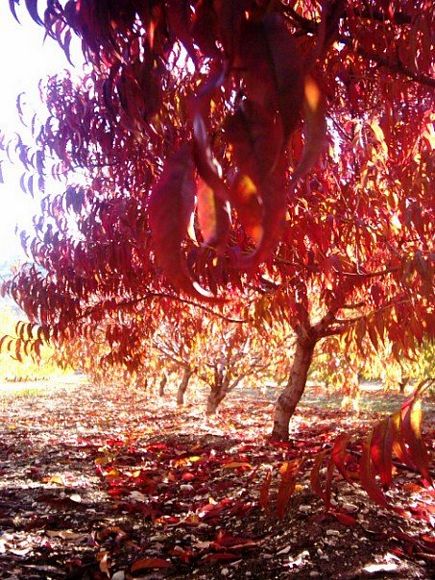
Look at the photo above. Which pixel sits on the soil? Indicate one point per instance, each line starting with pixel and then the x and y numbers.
pixel 108 483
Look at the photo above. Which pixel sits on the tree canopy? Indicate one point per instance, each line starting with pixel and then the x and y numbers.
pixel 218 151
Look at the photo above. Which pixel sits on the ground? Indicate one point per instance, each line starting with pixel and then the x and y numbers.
pixel 102 482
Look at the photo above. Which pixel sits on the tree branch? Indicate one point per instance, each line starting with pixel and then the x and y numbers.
pixel 396 66
pixel 162 295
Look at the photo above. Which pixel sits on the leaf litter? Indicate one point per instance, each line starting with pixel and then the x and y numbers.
pixel 107 483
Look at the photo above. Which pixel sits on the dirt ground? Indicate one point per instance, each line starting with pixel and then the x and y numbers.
pixel 105 483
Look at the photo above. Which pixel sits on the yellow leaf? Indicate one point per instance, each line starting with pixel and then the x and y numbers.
pixel 56 479
pixel 379 135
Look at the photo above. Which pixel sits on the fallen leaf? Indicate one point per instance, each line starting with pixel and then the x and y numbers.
pixel 147 563
pixel 346 519
pixel 56 479
pixel 237 464
pixel 66 534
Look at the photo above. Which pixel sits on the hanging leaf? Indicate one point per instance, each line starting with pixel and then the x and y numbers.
pixel 257 141
pixel 381 451
pixel 32 7
pixel 248 204
pixel 411 421
pixel 271 67
pixel 314 128
pixel 340 456
pixel 179 18
pixel 170 210
pixel 368 474
pixel 213 218
pixel 199 109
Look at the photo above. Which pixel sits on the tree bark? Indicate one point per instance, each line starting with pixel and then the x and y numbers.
pixel 293 391
pixel 162 385
pixel 183 386
pixel 214 399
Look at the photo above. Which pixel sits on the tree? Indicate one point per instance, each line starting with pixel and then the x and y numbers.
pixel 298 136
pixel 233 355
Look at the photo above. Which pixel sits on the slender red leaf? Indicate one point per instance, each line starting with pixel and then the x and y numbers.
pixel 411 429
pixel 170 211
pixel 147 563
pixel 265 490
pixel 340 456
pixel 289 471
pixel 368 474
pixel 381 450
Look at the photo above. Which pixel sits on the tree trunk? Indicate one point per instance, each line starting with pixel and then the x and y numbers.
pixel 290 397
pixel 183 386
pixel 162 385
pixel 214 399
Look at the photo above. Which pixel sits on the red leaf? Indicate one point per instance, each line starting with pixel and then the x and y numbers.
pixel 314 128
pixel 368 474
pixel 411 428
pixel 225 540
pixel 147 563
pixel 345 519
pixel 221 556
pixel 272 68
pixel 288 471
pixel 381 450
pixel 340 456
pixel 204 28
pixel 265 489
pixel 213 218
pixel 315 474
pixel 170 210
pixel 179 16
pixel 257 141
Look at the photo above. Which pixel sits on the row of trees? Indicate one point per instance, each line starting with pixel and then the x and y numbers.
pixel 266 162
pixel 221 354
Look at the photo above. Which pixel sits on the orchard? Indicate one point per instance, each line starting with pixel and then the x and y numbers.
pixel 248 201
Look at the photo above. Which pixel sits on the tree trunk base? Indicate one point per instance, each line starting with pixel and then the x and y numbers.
pixel 292 393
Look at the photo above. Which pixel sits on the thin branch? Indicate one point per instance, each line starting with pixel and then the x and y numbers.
pixel 400 18
pixel 308 25
pixel 367 274
pixel 162 295
pixel 393 66
pixel 353 306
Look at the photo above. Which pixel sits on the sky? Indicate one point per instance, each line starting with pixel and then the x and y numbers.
pixel 25 58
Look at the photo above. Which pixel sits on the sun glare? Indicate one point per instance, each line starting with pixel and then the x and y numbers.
pixel 27 57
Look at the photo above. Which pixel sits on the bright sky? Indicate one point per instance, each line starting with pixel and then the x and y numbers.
pixel 25 58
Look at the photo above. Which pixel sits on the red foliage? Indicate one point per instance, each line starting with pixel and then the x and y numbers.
pixel 232 148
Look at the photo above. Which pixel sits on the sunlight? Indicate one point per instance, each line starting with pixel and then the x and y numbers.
pixel 29 59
